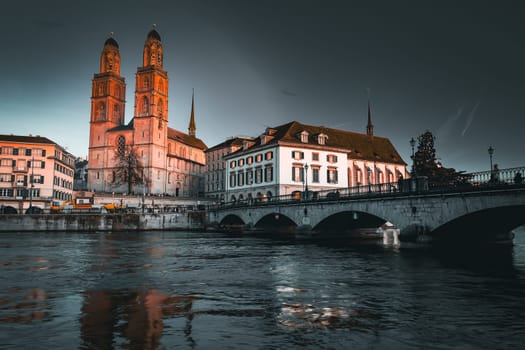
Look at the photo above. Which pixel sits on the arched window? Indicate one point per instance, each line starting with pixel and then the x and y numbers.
pixel 101 111
pixel 161 86
pixel 116 112
pixel 145 105
pixel 160 107
pixel 121 145
pixel 145 83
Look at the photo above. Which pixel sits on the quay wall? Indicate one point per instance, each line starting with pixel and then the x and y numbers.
pixel 102 222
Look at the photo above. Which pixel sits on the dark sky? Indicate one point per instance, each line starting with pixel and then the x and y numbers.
pixel 452 67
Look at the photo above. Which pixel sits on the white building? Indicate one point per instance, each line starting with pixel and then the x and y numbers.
pixel 215 182
pixel 287 158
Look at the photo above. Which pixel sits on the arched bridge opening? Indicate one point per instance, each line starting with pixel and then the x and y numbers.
pixel 232 222
pixel 276 223
pixel 349 224
pixel 493 225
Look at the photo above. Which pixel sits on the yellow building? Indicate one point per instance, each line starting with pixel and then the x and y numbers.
pixel 169 161
pixel 34 171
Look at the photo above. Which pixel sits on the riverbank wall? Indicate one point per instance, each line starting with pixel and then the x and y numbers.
pixel 102 222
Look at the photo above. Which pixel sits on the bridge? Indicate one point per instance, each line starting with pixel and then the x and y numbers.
pixel 486 207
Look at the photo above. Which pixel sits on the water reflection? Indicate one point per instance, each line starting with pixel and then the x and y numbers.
pixel 23 305
pixel 132 319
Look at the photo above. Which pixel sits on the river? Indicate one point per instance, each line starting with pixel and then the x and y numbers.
pixel 167 290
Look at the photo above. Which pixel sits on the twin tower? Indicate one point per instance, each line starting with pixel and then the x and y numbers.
pixel 148 131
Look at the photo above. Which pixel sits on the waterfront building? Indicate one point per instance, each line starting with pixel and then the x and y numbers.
pixel 290 158
pixel 215 186
pixel 170 161
pixel 34 171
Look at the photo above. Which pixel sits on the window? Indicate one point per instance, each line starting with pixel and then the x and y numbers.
pixel 321 138
pixel 331 175
pixel 121 145
pixel 249 160
pixel 258 175
pixel 297 155
pixel 7 150
pixel 241 162
pixel 38 179
pixel 6 162
pixel 6 192
pixel 331 158
pixel 6 178
pixel 15 151
pixel 268 174
pixel 258 158
pixel 160 107
pixel 304 136
pixel 268 155
pixel 101 111
pixel 297 173
pixel 240 178
pixel 315 156
pixel 249 177
pixel 315 175
pixel 145 105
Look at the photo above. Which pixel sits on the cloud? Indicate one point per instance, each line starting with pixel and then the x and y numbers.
pixel 449 125
pixel 470 118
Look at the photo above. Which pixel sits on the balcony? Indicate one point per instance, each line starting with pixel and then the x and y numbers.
pixel 20 169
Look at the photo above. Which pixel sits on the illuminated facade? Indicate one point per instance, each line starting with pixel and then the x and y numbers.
pixel 286 158
pixel 33 171
pixel 171 162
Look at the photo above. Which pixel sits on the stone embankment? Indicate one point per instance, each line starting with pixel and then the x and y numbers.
pixel 102 222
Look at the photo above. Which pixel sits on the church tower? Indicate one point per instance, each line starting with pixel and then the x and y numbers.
pixel 151 114
pixel 107 111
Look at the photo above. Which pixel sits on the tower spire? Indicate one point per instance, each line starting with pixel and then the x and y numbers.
pixel 191 127
pixel 369 126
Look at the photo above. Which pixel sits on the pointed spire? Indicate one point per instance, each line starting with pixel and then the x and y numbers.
pixel 191 127
pixel 369 126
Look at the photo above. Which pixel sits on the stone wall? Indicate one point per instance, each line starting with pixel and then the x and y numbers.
pixel 102 222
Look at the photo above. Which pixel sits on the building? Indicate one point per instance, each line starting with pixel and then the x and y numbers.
pixel 167 161
pixel 215 186
pixel 287 159
pixel 34 171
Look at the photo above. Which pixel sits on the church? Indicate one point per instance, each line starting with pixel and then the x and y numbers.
pixel 168 161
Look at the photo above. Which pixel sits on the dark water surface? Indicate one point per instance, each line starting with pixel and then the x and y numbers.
pixel 173 290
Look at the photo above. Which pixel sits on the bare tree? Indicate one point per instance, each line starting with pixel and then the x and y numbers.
pixel 129 170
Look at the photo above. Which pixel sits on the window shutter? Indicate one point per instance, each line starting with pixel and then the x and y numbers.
pixel 43 164
pixel 43 153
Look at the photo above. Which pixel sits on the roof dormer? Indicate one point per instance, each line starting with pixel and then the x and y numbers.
pixel 303 136
pixel 321 138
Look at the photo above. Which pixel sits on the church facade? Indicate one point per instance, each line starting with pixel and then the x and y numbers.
pixel 168 161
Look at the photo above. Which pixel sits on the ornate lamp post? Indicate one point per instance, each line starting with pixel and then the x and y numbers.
pixel 306 180
pixel 413 144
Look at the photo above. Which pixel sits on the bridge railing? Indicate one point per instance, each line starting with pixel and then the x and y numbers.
pixel 470 182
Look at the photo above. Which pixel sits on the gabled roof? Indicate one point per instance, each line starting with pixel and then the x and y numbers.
pixel 186 139
pixel 123 127
pixel 234 141
pixel 356 145
pixel 26 139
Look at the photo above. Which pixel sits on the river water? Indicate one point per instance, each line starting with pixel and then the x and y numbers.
pixel 176 290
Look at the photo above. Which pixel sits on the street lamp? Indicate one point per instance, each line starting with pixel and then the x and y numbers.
pixel 413 144
pixel 306 180
pixel 491 152
pixel 369 171
pixel 31 182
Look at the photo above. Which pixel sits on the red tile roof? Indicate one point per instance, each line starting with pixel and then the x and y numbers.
pixel 356 145
pixel 186 139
